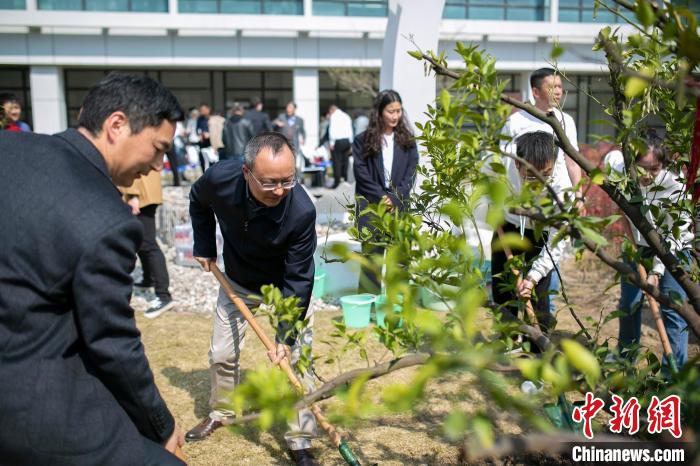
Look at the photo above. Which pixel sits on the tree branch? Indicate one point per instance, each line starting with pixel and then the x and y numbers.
pixel 628 273
pixel 647 230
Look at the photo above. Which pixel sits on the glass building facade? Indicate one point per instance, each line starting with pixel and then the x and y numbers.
pixel 243 7
pixel 518 10
pixel 350 7
pixel 13 4
pixel 157 6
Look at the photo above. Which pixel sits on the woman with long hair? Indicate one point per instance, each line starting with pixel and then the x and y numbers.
pixel 385 158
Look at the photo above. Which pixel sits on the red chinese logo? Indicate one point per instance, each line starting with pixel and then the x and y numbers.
pixel 665 415
pixel 587 412
pixel 662 415
pixel 624 415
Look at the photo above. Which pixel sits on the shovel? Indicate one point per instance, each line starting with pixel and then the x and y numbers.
pixel 337 441
pixel 528 304
pixel 660 327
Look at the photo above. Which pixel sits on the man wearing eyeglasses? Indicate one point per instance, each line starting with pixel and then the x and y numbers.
pixel 269 228
pixel 538 149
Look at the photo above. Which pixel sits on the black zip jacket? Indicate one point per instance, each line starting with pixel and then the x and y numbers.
pixel 262 245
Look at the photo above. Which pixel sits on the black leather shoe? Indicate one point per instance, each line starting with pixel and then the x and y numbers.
pixel 303 457
pixel 143 285
pixel 202 430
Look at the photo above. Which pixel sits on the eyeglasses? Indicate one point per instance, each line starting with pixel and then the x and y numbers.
pixel 530 178
pixel 285 184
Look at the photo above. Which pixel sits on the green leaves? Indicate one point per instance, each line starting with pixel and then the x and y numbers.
pixel 635 86
pixel 581 359
pixel 416 54
pixel 645 13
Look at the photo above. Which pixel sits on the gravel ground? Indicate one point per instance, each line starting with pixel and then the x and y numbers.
pixel 194 290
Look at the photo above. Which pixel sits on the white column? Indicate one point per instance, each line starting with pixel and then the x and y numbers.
pixel 554 11
pixel 402 72
pixel 172 7
pixel 31 5
pixel 305 89
pixel 48 99
pixel 308 8
pixel 525 85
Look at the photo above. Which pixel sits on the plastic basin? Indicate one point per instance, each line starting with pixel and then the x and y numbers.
pixel 319 284
pixel 356 309
pixel 380 309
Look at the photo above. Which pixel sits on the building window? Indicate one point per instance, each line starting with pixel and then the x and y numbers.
pixel 516 10
pixel 153 6
pixel 14 80
pixel 243 7
pixel 13 4
pixel 590 117
pixel 582 11
pixel 219 89
pixel 274 88
pixel 350 102
pixel 350 8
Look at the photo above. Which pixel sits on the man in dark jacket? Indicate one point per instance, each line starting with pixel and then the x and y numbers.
pixel 238 130
pixel 76 386
pixel 259 119
pixel 269 227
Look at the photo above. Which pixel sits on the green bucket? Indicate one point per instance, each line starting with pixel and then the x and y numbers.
pixel 319 284
pixel 380 308
pixel 356 309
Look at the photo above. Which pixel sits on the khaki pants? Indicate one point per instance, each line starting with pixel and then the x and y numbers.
pixel 227 341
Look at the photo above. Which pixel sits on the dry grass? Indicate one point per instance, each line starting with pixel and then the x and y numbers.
pixel 177 345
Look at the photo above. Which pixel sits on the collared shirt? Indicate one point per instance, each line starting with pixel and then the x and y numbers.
pixel 665 188
pixel 339 127
pixel 522 122
pixel 559 182
pixel 262 245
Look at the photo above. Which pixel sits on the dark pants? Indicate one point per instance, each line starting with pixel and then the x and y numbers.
pixel 203 162
pixel 503 284
pixel 174 166
pixel 341 152
pixel 370 282
pixel 152 259
pixel 156 455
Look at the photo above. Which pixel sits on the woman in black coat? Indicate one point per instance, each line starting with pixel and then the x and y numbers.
pixel 385 158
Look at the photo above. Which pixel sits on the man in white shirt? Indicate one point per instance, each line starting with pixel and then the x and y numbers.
pixel 340 139
pixel 659 188
pixel 547 91
pixel 539 150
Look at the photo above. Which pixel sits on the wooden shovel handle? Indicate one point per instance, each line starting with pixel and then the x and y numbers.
pixel 270 345
pixel 656 314
pixel 529 310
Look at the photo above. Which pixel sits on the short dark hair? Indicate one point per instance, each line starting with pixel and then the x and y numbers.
pixel 268 139
pixel 537 148
pixel 144 101
pixel 8 97
pixel 254 101
pixel 538 76
pixel 655 143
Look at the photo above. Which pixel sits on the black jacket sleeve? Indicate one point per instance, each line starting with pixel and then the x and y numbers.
pixel 364 184
pixel 102 290
pixel 298 279
pixel 203 219
pixel 404 185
